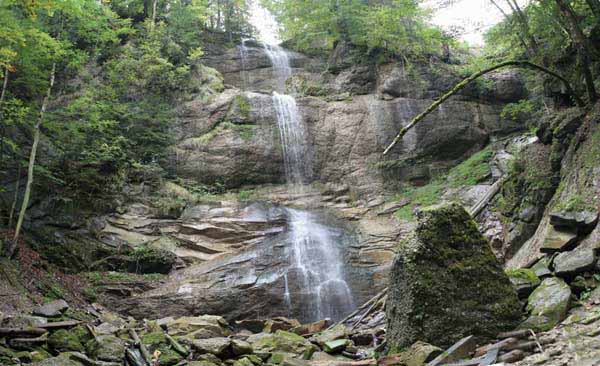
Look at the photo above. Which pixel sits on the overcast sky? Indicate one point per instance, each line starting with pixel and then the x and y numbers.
pixel 475 16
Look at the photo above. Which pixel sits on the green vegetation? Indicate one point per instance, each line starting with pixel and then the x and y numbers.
pixel 420 196
pixel 120 69
pixel 470 172
pixel 397 27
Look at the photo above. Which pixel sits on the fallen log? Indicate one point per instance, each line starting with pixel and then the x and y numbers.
pixel 371 308
pixel 367 362
pixel 177 346
pixel 134 357
pixel 86 361
pixel 521 333
pixel 143 350
pixel 512 356
pixel 27 343
pixel 21 332
pixel 60 325
pixel 528 345
pixel 465 82
pixel 361 308
pixel 498 345
pixel 491 193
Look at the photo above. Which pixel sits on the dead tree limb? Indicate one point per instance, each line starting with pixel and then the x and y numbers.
pixel 465 82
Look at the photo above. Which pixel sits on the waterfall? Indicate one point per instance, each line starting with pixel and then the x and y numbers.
pixel 244 57
pixel 317 264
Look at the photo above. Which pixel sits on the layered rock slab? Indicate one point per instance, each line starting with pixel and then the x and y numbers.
pixel 446 283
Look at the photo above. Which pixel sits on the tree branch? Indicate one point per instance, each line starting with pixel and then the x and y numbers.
pixel 465 82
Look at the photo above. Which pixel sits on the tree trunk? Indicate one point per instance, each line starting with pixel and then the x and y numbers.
pixel 465 82
pixel 15 199
pixel 154 4
pixel 583 49
pixel 36 139
pixel 4 85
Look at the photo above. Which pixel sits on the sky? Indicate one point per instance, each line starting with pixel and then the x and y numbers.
pixel 473 16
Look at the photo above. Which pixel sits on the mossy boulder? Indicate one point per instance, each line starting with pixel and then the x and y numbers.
pixel 283 342
pixel 199 327
pixel 64 359
pixel 157 341
pixel 548 304
pixel 106 348
pixel 447 284
pixel 64 340
pixel 525 280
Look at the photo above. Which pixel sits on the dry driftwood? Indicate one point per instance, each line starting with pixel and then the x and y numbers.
pixel 177 346
pixel 498 345
pixel 512 356
pixel 521 333
pixel 27 343
pixel 60 325
pixel 369 311
pixel 21 332
pixel 362 307
pixel 143 349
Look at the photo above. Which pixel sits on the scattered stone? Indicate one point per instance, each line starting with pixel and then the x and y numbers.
pixel 312 328
pixel 201 327
pixel 240 347
pixel 524 280
pixel 445 252
pixel 106 348
pixel 557 240
pixel 52 309
pixel 548 304
pixel 280 323
pixel 215 346
pixel 335 346
pixel 253 325
pixel 282 341
pixel 568 264
pixel 581 221
pixel 337 332
pixel 542 268
pixel 391 207
pixel 26 321
pixel 64 340
pixel 421 353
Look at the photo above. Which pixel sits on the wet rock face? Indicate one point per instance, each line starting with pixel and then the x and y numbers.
pixel 446 283
pixel 221 142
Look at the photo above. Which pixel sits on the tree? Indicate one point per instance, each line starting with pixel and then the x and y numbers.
pixel 582 47
pixel 398 27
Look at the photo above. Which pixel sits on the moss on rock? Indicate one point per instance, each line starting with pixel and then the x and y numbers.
pixel 446 283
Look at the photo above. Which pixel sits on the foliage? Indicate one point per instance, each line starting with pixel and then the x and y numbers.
pixel 471 171
pixel 123 70
pixel 398 26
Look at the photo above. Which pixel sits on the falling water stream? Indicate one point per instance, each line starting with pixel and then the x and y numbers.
pixel 317 263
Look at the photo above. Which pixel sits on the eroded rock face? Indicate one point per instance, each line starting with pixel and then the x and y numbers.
pixel 351 117
pixel 446 283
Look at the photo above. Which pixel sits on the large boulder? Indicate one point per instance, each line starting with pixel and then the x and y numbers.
pixel 548 304
pixel 569 264
pixel 446 283
pixel 282 342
